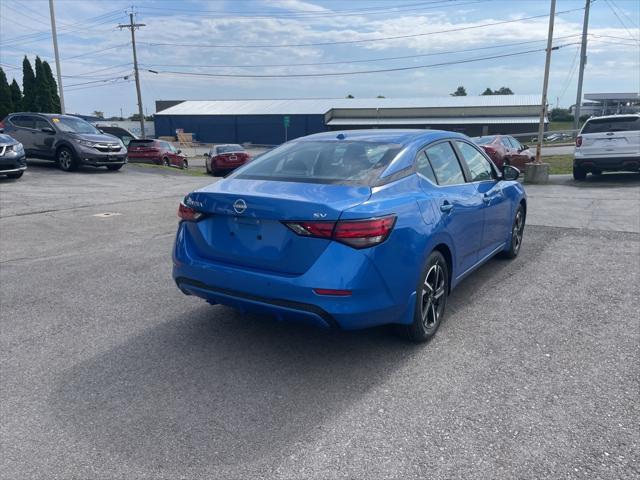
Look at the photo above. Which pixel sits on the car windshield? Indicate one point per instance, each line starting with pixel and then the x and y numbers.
pixel 340 162
pixel 74 125
pixel 621 124
pixel 229 148
pixel 484 140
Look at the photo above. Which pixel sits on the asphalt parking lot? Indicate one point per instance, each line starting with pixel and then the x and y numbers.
pixel 108 371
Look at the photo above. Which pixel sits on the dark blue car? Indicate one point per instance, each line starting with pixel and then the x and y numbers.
pixel 350 229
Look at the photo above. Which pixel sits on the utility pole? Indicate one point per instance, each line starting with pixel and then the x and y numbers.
pixel 54 34
pixel 132 26
pixel 583 61
pixel 545 84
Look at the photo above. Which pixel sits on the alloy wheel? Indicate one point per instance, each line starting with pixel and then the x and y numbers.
pixel 517 231
pixel 64 158
pixel 433 290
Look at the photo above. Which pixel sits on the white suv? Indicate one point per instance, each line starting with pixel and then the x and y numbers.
pixel 610 143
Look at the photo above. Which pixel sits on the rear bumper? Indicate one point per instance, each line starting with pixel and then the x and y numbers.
pixel 292 297
pixel 608 163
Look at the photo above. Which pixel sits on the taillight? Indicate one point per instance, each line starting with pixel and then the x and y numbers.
pixel 355 233
pixel 188 214
pixel 578 141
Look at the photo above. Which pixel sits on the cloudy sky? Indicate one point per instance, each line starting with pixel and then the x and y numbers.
pixel 210 49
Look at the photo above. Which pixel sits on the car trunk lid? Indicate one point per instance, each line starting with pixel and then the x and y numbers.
pixel 244 221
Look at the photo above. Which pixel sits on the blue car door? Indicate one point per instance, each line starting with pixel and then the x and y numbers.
pixel 496 206
pixel 458 201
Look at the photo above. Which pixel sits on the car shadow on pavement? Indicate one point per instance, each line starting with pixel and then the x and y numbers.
pixel 608 179
pixel 216 387
pixel 223 390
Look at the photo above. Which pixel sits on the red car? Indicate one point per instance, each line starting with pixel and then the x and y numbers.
pixel 156 151
pixel 504 149
pixel 225 158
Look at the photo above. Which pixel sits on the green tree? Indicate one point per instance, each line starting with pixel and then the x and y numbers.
pixel 460 92
pixel 350 96
pixel 54 98
pixel 381 96
pixel 503 91
pixel 98 113
pixel 6 106
pixel 487 91
pixel 28 87
pixel 16 96
pixel 43 91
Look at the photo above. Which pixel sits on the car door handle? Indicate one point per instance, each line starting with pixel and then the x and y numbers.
pixel 446 207
pixel 487 197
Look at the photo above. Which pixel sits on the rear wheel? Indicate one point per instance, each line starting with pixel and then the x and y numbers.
pixel 114 167
pixel 185 164
pixel 579 173
pixel 165 162
pixel 517 233
pixel 207 165
pixel 66 160
pixel 14 175
pixel 431 299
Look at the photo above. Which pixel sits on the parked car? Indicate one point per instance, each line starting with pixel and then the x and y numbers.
pixel 122 133
pixel 156 151
pixel 610 143
pixel 223 159
pixel 13 161
pixel 65 139
pixel 505 150
pixel 350 229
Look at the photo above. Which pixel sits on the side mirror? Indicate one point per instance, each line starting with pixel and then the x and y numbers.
pixel 510 173
pixel 206 154
pixel 48 130
pixel 179 151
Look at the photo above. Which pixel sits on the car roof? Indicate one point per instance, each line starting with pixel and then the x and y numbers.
pixel 47 115
pixel 617 115
pixel 384 135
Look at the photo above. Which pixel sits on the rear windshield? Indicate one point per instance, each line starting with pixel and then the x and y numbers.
pixel 229 148
pixel 339 162
pixel 621 124
pixel 484 140
pixel 141 142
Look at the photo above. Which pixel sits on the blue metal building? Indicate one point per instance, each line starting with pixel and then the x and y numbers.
pixel 270 122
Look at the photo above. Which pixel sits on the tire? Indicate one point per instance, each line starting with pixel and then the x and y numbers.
pixel 114 168
pixel 579 173
pixel 165 162
pixel 517 234
pixel 66 160
pixel 15 176
pixel 207 166
pixel 185 164
pixel 431 299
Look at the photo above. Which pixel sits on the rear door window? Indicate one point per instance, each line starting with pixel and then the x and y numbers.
pixel 24 121
pixel 515 143
pixel 445 164
pixel 620 124
pixel 479 166
pixel 505 142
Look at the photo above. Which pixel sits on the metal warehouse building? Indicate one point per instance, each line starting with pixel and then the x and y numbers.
pixel 269 122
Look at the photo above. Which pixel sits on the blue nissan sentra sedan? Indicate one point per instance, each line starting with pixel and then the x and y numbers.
pixel 350 229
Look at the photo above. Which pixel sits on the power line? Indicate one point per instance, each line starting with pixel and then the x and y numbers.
pixel 369 40
pixel 97 51
pixel 321 14
pixel 359 72
pixel 633 23
pixel 370 60
pixel 620 20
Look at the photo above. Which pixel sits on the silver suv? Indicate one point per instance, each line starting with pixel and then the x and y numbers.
pixel 610 143
pixel 68 140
